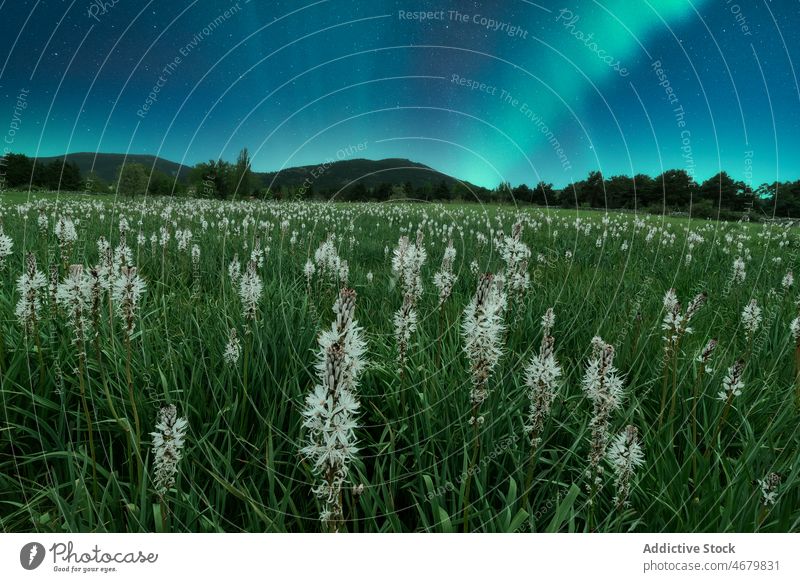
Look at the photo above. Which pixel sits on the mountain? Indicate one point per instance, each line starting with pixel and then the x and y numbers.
pixel 371 173
pixel 321 177
pixel 106 165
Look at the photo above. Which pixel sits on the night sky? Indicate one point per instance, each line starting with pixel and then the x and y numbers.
pixel 569 86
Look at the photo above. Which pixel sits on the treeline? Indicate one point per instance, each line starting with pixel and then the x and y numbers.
pixel 674 191
pixel 17 170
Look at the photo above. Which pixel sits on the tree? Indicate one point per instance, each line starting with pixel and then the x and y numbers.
pixel 18 169
pixel 58 175
pixel 543 194
pixel 132 180
pixel 356 193
pixel 461 192
pixel 383 192
pixel 242 175
pixel 94 184
pixel 568 197
pixel 424 192
pixel 162 185
pixel 212 179
pixel 725 192
pixel 592 191
pixel 646 194
pixel 503 192
pixel 620 192
pixel 675 188
pixel 441 192
pixel 70 178
pixel 523 193
pixel 45 175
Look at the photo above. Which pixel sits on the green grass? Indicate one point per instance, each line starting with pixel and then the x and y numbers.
pixel 241 469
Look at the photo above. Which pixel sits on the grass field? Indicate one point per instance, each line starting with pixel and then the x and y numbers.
pixel 87 364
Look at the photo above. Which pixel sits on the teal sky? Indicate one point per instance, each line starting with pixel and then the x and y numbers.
pixel 568 87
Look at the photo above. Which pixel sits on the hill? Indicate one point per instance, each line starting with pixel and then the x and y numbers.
pixel 371 173
pixel 106 165
pixel 323 176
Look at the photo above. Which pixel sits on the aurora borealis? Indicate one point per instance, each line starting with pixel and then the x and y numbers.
pixel 490 91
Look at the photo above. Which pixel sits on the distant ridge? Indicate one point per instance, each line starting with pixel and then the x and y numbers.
pixel 370 173
pixel 329 175
pixel 106 165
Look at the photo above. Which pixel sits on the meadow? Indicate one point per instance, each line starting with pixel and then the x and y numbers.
pixel 353 368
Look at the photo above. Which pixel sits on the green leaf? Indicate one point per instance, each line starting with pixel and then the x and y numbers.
pixel 564 510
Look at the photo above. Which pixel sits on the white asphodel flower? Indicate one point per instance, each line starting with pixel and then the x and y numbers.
pixel 732 384
pixel 195 255
pixel 602 384
pixel 405 324
pixel 516 254
pixel 127 291
pixel 233 349
pixel 235 270
pixel 705 355
pixel 329 264
pixel 66 235
pixel 309 270
pixel 482 329
pixel 73 294
pixel 548 321
pixel 541 377
pixel 30 285
pixel 739 273
pixel 769 489
pixel 330 412
pixel 250 290
pixel 6 246
pixel 794 328
pixel 407 262
pixel 444 279
pixel 625 456
pixel 751 318
pixel 168 442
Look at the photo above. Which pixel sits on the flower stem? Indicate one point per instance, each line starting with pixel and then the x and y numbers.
pixel 471 468
pixel 137 427
pixel 89 423
pixel 722 418
pixel 695 401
